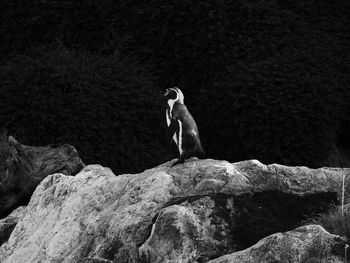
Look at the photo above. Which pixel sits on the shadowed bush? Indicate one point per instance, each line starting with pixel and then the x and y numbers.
pixel 335 222
pixel 106 108
pixel 263 79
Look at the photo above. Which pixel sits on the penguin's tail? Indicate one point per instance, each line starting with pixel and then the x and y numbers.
pixel 199 152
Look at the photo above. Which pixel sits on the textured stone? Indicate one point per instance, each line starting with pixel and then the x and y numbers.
pixel 187 232
pixel 309 243
pixel 197 208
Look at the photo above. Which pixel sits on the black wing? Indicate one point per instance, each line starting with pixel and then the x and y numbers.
pixel 173 127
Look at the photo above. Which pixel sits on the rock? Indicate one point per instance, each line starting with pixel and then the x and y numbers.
pixel 23 167
pixel 196 211
pixel 176 228
pixel 310 243
pixel 95 260
pixel 8 224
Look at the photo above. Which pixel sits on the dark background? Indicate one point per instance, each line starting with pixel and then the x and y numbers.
pixel 265 79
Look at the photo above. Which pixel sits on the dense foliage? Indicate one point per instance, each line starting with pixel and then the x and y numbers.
pixel 100 105
pixel 264 79
pixel 335 221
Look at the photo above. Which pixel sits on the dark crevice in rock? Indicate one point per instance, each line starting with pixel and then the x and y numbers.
pixel 254 217
pixel 149 230
pixel 181 199
pixel 250 217
pixel 5 233
pixel 112 250
pixel 8 224
pixel 21 197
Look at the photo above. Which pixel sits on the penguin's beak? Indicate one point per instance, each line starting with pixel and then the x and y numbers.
pixel 165 93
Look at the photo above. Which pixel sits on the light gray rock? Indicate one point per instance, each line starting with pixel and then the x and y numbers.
pixel 310 243
pixel 130 217
pixel 187 232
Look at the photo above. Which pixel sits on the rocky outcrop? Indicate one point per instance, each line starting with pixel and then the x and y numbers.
pixel 23 167
pixel 309 243
pixel 196 211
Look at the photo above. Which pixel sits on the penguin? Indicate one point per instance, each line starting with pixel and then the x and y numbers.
pixel 182 128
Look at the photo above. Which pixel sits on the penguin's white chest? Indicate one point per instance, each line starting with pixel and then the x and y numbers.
pixel 179 141
pixel 177 137
pixel 168 117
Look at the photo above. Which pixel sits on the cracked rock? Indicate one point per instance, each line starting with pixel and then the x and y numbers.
pixel 199 210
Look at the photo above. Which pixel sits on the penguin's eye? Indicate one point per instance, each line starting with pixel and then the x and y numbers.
pixel 172 94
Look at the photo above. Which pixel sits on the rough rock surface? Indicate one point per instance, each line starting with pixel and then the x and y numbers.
pixel 310 243
pixel 23 167
pixel 198 210
pixel 8 224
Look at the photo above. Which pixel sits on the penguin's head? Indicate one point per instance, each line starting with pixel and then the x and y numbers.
pixel 174 94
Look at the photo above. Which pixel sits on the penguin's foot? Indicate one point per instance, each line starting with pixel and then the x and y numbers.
pixel 178 161
pixel 183 160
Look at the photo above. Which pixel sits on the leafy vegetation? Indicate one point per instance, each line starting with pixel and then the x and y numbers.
pixel 102 106
pixel 263 79
pixel 335 221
